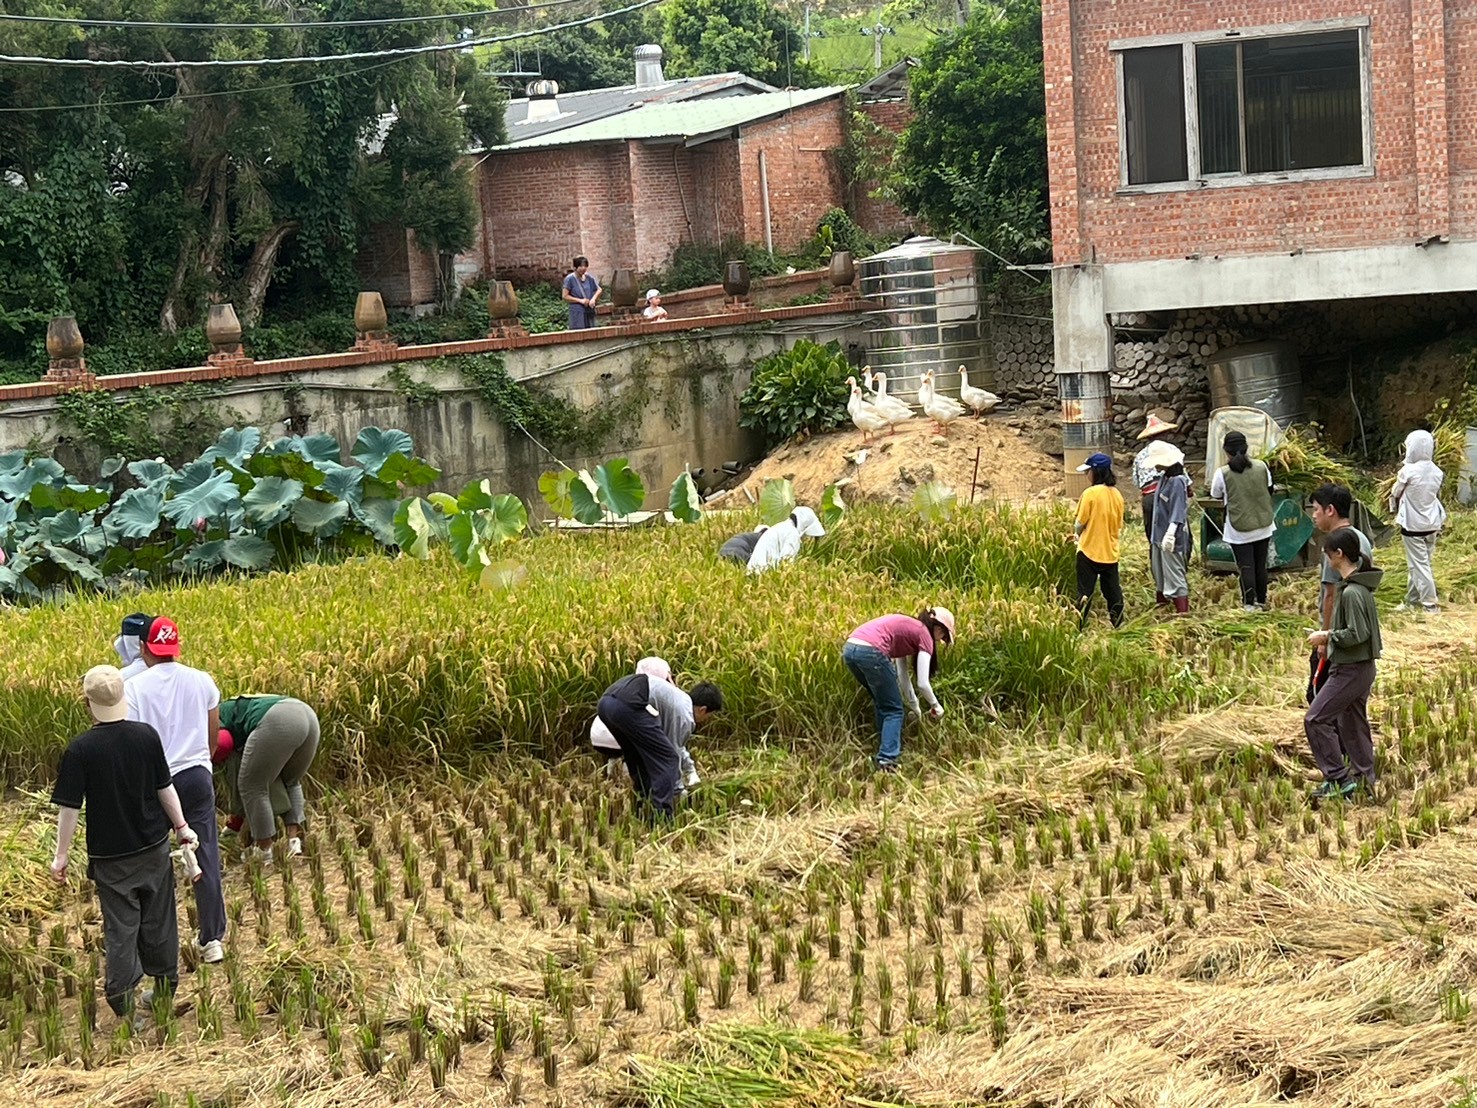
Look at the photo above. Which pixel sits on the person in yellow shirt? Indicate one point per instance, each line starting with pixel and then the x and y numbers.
pixel 1099 523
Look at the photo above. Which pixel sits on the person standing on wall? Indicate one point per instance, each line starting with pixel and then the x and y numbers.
pixel 1244 486
pixel 1146 480
pixel 1099 525
pixel 117 771
pixel 183 705
pixel 581 291
pixel 1331 507
pixel 1416 502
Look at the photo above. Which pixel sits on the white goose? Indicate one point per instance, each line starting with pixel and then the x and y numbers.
pixel 867 419
pixel 981 400
pixel 941 409
pixel 895 410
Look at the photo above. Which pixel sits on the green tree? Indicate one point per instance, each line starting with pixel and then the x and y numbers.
pixel 744 36
pixel 973 159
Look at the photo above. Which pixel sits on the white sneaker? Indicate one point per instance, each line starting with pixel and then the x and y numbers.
pixel 692 779
pixel 212 952
pixel 260 854
pixel 294 848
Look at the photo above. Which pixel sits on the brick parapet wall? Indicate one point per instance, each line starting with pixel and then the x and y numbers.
pixel 879 216
pixel 731 317
pixel 1424 105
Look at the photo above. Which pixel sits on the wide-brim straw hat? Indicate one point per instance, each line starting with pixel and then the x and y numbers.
pixel 1156 426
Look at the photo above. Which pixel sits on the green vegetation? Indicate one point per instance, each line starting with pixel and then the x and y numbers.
pixel 800 391
pixel 973 159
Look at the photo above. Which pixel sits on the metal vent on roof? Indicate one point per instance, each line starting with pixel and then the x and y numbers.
pixel 649 66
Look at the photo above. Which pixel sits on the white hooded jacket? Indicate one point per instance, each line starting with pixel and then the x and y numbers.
pixel 129 655
pixel 1416 497
pixel 782 541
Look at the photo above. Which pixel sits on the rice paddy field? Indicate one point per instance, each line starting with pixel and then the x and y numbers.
pixel 1096 882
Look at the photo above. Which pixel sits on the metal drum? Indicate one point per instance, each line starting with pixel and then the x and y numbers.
pixel 1261 375
pixel 1087 423
pixel 924 312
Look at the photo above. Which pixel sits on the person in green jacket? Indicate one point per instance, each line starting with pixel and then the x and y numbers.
pixel 275 739
pixel 1337 722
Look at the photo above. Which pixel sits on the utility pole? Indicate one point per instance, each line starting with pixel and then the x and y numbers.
pixel 961 12
pixel 877 30
pixel 806 53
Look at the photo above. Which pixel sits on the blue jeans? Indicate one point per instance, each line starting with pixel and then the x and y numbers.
pixel 874 670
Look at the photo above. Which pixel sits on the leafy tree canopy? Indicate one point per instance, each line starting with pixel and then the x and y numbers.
pixel 973 159
pixel 134 198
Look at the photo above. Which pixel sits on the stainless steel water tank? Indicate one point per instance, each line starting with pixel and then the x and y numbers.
pixel 1261 375
pixel 1087 423
pixel 924 312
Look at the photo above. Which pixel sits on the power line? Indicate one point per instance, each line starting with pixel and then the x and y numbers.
pixel 307 24
pixel 310 59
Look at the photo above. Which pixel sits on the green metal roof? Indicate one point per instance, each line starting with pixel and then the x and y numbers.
pixel 682 120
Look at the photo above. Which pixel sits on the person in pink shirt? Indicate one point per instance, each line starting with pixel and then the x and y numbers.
pixel 877 654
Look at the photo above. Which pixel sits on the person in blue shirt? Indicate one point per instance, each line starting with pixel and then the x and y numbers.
pixel 581 291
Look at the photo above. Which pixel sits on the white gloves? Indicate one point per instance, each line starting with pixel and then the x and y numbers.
pixel 936 712
pixel 1167 543
pixel 187 837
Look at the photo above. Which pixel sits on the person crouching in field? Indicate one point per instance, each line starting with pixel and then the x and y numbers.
pixel 270 743
pixel 634 710
pixel 678 721
pixel 1337 723
pixel 1099 525
pixel 877 654
pixel 117 770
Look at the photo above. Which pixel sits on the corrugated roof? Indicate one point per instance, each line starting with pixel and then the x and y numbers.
pixel 576 108
pixel 682 120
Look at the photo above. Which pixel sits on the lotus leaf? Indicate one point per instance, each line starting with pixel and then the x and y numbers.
pixel 248 552
pixel 81 498
pixel 270 501
pixel 150 472
pixel 19 484
pixel 416 527
pixel 234 445
pixel 135 515
pixel 934 501
pixel 12 461
pixel 777 501
pixel 209 500
pixel 379 517
pixel 374 446
pixel 317 449
pixel 502 576
pixel 111 467
pixel 343 482
pixel 445 503
pixel 319 519
pixel 74 563
pixel 832 506
pixel 411 472
pixel 684 502
pixel 554 486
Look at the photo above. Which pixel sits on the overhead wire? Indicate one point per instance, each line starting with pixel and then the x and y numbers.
pixel 306 24
pixel 313 59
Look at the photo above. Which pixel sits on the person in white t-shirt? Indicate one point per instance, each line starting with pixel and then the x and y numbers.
pixel 183 705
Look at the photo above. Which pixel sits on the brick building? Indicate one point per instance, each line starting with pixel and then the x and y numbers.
pixel 884 101
pixel 625 175
pixel 1206 154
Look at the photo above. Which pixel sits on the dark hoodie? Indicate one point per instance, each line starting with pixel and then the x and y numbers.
pixel 1355 635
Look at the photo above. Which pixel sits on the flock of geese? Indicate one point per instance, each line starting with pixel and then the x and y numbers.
pixel 883 412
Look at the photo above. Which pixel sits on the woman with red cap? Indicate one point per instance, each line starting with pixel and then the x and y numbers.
pixel 877 654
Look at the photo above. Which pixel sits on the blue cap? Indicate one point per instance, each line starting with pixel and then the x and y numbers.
pixel 1096 461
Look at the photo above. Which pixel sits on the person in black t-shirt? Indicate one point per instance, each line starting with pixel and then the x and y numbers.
pixel 118 771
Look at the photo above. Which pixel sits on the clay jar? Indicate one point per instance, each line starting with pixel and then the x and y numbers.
pixel 843 269
pixel 502 301
pixel 369 313
pixel 623 288
pixel 222 328
pixel 736 279
pixel 63 338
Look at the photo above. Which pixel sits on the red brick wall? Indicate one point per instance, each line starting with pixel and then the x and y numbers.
pixel 662 182
pixel 718 193
pixel 874 215
pixel 1420 97
pixel 392 263
pixel 804 181
pixel 532 210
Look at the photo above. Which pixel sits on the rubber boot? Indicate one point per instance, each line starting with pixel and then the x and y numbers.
pixel 1160 598
pixel 1182 605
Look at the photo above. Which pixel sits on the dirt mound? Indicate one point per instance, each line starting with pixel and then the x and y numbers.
pixel 1013 449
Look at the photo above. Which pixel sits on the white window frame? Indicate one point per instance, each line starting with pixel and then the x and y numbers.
pixel 1187 42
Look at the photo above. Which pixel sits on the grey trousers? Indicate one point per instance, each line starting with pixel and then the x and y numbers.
pixel 1171 576
pixel 282 749
pixel 140 925
pixel 1418 552
pixel 1337 723
pixel 196 788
